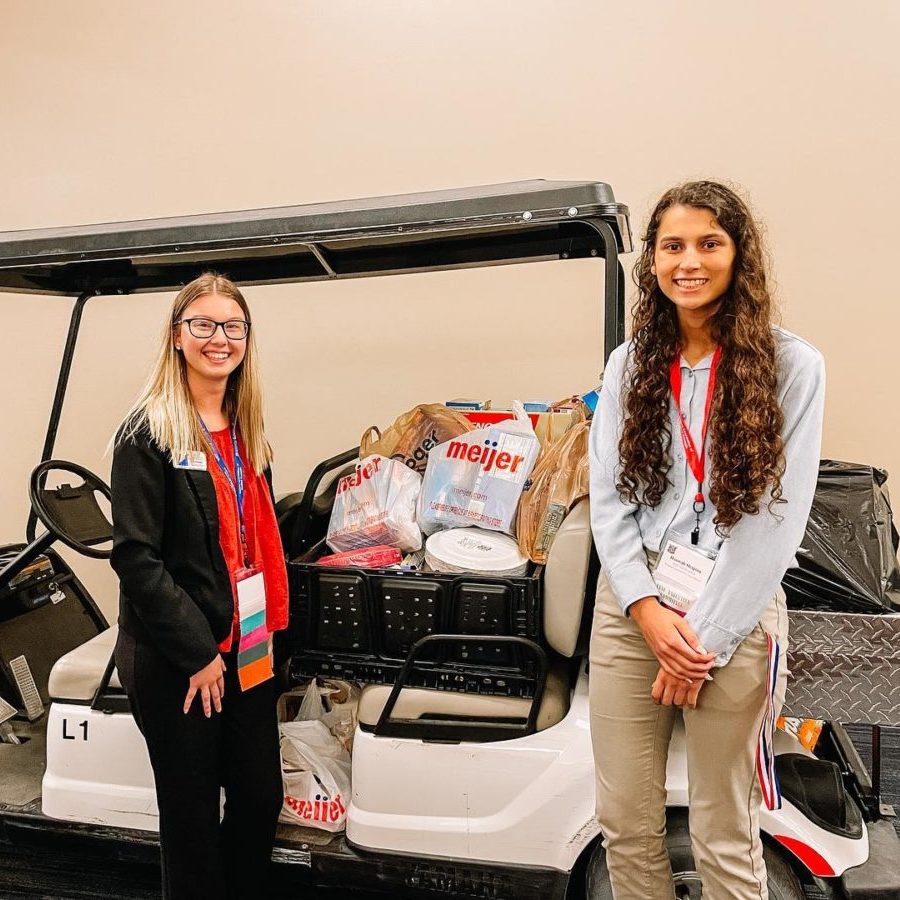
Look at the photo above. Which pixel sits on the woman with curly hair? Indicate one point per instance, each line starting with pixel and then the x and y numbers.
pixel 704 458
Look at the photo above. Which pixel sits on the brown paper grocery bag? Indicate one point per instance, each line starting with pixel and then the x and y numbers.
pixel 414 434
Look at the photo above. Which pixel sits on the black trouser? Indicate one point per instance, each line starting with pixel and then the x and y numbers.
pixel 192 758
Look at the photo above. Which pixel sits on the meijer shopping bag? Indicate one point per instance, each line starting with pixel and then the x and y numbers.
pixel 375 506
pixel 316 776
pixel 477 478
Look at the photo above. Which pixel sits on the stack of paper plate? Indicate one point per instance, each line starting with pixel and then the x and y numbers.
pixel 474 550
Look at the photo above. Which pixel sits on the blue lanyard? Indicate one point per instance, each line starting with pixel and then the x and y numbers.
pixel 238 487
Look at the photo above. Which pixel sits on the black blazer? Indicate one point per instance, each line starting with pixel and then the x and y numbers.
pixel 175 590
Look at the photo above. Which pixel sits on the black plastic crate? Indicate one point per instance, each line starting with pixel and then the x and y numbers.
pixel 360 624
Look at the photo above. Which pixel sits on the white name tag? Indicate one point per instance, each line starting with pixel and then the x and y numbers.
pixel 195 460
pixel 251 593
pixel 681 573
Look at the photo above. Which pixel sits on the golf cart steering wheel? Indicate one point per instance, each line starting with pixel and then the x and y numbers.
pixel 72 515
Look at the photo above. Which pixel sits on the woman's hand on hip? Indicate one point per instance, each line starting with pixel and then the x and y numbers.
pixel 209 683
pixel 671 639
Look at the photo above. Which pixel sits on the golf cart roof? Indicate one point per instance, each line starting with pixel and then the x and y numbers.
pixel 488 225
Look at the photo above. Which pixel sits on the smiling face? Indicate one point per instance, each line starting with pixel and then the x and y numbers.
pixel 693 259
pixel 211 359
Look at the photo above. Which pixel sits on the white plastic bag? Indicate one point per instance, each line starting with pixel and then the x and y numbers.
pixel 334 703
pixel 477 478
pixel 376 505
pixel 316 775
pixel 341 718
pixel 311 707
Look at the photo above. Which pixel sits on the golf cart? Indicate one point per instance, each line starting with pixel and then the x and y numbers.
pixel 492 696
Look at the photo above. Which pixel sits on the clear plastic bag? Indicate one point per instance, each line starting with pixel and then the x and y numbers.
pixel 477 478
pixel 374 506
pixel 311 708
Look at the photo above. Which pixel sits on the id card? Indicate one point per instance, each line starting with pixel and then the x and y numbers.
pixel 195 461
pixel 254 658
pixel 251 592
pixel 681 573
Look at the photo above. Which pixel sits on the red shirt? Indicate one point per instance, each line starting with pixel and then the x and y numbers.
pixel 263 539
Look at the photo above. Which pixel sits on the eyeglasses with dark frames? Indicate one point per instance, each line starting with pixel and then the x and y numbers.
pixel 204 328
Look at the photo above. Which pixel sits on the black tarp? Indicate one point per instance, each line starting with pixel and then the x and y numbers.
pixel 848 558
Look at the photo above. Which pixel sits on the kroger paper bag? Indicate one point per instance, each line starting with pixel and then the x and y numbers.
pixel 375 506
pixel 414 434
pixel 477 478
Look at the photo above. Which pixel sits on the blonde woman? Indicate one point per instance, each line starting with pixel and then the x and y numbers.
pixel 203 586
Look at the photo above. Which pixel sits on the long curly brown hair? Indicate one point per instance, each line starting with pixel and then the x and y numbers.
pixel 746 449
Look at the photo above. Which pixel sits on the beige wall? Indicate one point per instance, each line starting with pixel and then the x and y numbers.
pixel 116 110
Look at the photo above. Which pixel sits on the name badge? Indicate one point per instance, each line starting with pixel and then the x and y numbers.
pixel 195 460
pixel 254 658
pixel 681 573
pixel 251 596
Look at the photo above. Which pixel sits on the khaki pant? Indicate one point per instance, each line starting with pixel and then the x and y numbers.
pixel 631 735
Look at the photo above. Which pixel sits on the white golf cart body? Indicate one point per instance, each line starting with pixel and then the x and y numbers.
pixel 485 789
pixel 508 802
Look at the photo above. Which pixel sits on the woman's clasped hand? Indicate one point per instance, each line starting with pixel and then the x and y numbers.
pixel 670 690
pixel 682 658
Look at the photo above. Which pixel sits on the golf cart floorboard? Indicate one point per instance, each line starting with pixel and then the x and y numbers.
pixel 298 836
pixel 73 873
pixel 44 850
pixel 879 877
pixel 44 857
pixel 27 825
pixel 23 764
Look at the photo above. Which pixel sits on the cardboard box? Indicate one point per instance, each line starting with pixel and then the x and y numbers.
pixel 548 426
pixel 462 405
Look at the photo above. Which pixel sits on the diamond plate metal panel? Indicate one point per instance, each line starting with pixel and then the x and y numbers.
pixel 845 667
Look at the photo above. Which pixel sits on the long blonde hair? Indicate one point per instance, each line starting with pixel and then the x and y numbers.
pixel 165 406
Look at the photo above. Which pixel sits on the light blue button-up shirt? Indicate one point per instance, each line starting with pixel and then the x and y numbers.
pixel 753 558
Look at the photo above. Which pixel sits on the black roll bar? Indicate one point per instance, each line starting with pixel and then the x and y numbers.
pixel 62 382
pixel 455 730
pixel 431 231
pixel 614 287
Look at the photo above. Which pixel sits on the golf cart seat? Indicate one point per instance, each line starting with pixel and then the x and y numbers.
pixel 570 578
pixel 420 703
pixel 567 579
pixel 76 676
pixel 486 632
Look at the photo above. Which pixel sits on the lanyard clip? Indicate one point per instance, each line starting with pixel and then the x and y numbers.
pixel 699 507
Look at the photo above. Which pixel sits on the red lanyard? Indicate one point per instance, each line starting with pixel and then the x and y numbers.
pixel 696 461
